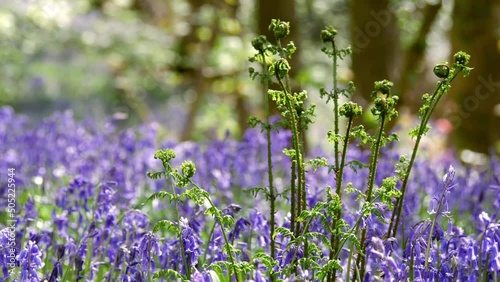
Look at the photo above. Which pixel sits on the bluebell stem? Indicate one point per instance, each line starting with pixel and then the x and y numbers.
pixel 447 181
pixel 191 242
pixel 149 247
pixel 57 270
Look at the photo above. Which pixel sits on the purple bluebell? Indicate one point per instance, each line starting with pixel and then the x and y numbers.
pixel 148 248
pixel 191 242
pixel 30 260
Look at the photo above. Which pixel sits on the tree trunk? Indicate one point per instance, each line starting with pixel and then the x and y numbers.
pixel 414 57
pixel 375 45
pixel 475 124
pixel 190 41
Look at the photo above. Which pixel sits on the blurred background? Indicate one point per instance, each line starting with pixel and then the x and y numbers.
pixel 184 64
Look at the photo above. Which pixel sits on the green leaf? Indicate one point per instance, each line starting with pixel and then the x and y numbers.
pixel 349 189
pixel 169 225
pixel 254 191
pixel 169 273
pixel 334 138
pixel 157 196
pixel 283 231
pixel 355 165
pixel 318 162
pixel 414 133
pixel 289 152
pixel 155 175
pixel 214 276
pixel 359 133
pixel 228 220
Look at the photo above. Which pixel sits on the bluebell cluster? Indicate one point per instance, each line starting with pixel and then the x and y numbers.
pixel 80 186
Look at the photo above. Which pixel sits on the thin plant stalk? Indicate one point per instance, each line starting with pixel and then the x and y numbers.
pixel 335 110
pixel 178 219
pixel 447 187
pixel 393 226
pixel 334 237
pixel 293 198
pixel 300 204
pixel 296 147
pixel 208 241
pixel 433 225
pixel 436 96
pixel 224 235
pixel 348 274
pixel 361 260
pixel 336 153
pixel 272 195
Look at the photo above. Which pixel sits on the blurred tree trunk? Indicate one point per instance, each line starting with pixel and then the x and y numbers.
pixel 476 126
pixel 375 44
pixel 414 57
pixel 191 50
pixel 190 45
pixel 97 4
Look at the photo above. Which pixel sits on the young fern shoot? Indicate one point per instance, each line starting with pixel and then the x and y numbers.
pixel 384 109
pixel 261 44
pixel 199 196
pixel 290 104
pixel 446 75
pixel 349 110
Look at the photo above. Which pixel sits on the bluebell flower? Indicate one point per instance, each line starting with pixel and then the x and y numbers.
pixel 57 271
pixel 148 248
pixel 30 260
pixel 132 261
pixel 135 219
pixel 198 276
pixel 259 276
pixel 494 258
pixel 291 253
pixel 240 226
pixel 392 268
pixel 31 212
pixel 261 226
pixel 191 242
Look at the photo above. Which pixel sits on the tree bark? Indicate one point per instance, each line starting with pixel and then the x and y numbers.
pixel 475 125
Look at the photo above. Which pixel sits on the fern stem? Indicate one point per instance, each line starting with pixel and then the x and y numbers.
pixel 179 235
pixel 361 260
pixel 335 236
pixel 296 147
pixel 272 195
pixel 224 235
pixel 296 140
pixel 436 96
